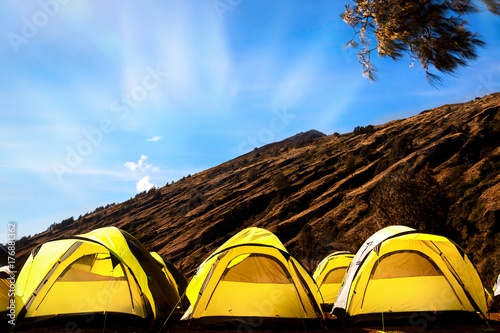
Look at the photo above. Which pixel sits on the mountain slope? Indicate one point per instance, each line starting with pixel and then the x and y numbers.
pixel 437 171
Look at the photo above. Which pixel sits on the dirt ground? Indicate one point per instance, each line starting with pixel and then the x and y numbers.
pixel 492 325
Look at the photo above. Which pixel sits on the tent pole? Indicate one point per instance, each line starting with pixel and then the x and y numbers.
pixel 381 305
pixel 107 305
pixel 299 302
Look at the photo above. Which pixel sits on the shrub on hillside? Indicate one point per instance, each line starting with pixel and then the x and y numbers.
pixel 382 165
pixel 414 200
pixel 196 200
pixel 350 164
pixel 280 181
pixel 401 147
pixel 358 130
pixel 362 130
pixel 252 175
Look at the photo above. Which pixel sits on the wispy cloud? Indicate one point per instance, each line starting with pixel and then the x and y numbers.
pixel 144 184
pixel 155 138
pixel 131 165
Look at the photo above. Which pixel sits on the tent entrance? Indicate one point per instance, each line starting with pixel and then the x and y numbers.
pixel 406 281
pixel 90 284
pixel 254 285
pixel 256 268
pixel 335 276
pixel 331 284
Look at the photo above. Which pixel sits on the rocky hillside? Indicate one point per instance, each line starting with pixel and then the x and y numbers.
pixel 437 171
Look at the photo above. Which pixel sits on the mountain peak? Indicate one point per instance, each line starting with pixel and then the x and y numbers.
pixel 309 135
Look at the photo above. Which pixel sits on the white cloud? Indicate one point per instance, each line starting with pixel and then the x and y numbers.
pixel 142 168
pixel 141 165
pixel 144 184
pixel 155 138
pixel 131 166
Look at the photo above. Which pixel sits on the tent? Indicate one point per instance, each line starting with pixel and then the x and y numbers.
pixel 6 295
pixel 496 295
pixel 106 271
pixel 400 273
pixel 329 276
pixel 174 277
pixel 252 280
pixel 4 283
pixel 496 288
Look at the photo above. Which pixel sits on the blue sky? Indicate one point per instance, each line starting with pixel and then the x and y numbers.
pixel 103 99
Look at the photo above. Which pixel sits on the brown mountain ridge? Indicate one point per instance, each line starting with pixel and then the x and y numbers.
pixel 438 171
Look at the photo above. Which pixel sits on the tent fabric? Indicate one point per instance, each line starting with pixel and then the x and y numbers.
pixel 494 299
pixel 496 288
pixel 4 288
pixel 367 247
pixel 252 275
pixel 330 273
pixel 174 277
pixel 400 271
pixel 403 264
pixel 104 271
pixel 167 273
pixel 336 275
pixel 5 297
pixel 256 236
pixel 256 268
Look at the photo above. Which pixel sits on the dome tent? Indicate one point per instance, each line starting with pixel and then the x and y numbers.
pixel 106 271
pixel 496 295
pixel 5 283
pixel 253 279
pixel 400 272
pixel 329 275
pixel 7 280
pixel 174 277
pixel 496 288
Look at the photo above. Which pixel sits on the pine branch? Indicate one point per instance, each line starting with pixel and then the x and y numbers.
pixel 432 31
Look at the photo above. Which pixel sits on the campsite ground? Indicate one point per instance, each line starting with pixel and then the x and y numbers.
pixel 492 326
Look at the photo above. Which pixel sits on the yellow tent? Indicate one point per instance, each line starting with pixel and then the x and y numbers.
pixel 400 273
pixel 174 277
pixel 104 271
pixel 329 275
pixel 252 280
pixel 4 288
pixel 6 295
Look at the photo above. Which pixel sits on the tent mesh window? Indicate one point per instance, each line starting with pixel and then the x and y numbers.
pixel 404 264
pixel 256 268
pixel 93 267
pixel 335 276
